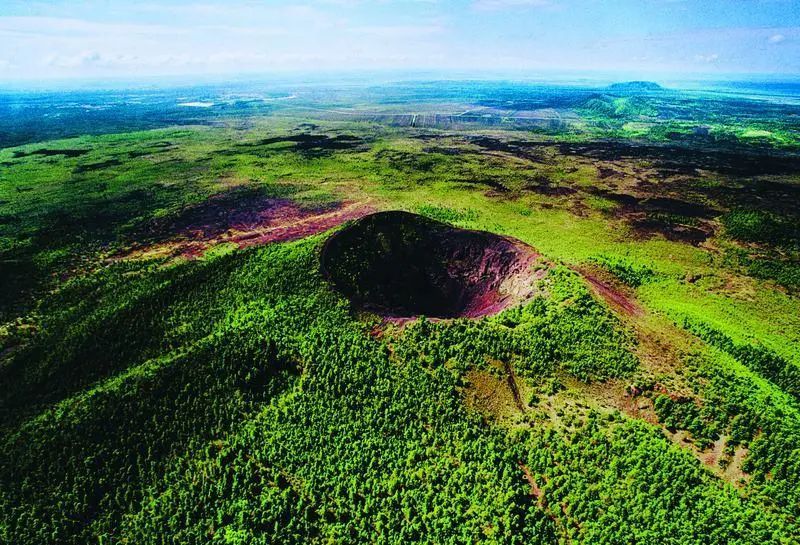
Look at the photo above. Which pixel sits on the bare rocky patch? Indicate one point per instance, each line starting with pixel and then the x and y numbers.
pixel 244 218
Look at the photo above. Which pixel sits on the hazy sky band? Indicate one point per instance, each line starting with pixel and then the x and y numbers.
pixel 115 38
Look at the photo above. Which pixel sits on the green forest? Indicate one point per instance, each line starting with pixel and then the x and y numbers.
pixel 210 332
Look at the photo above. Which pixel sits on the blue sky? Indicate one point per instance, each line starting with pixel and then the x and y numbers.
pixel 96 39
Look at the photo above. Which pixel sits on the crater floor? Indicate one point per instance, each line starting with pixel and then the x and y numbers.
pixel 400 265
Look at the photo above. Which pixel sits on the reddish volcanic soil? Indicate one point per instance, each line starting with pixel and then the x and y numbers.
pixel 298 223
pixel 502 277
pixel 612 295
pixel 245 224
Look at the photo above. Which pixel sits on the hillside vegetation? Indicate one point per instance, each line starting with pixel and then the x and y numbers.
pixel 206 335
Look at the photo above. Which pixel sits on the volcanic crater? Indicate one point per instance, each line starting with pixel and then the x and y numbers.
pixel 402 265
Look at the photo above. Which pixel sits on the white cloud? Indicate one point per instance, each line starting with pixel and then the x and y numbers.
pixel 711 58
pixel 211 36
pixel 66 27
pixel 86 58
pixel 493 5
pixel 399 31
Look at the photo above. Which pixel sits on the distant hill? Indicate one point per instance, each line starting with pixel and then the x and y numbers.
pixel 636 86
pixel 620 106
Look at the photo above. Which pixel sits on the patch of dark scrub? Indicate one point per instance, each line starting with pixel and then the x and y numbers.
pixel 80 169
pixel 544 186
pixel 406 161
pixel 604 173
pixel 687 160
pixel 763 228
pixel 769 202
pixel 776 189
pixel 495 185
pixel 671 231
pixel 517 148
pixel 51 152
pixel 677 207
pixel 446 151
pixel 553 190
pixel 312 141
pixel 431 137
pixel 767 265
pixel 664 205
pixel 675 219
pixel 668 158
pixel 309 145
pixel 152 149
pixel 769 244
pixel 769 195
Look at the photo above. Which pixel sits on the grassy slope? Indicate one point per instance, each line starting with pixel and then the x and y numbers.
pixel 220 440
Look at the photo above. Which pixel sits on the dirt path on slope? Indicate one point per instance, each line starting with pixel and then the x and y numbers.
pixel 614 295
pixel 511 378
